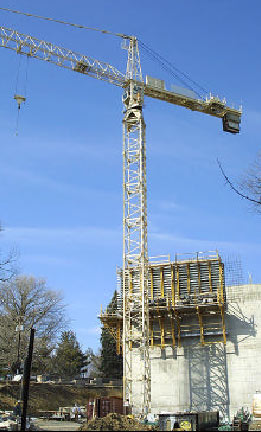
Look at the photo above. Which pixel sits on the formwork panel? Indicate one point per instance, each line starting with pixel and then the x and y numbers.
pixel 186 299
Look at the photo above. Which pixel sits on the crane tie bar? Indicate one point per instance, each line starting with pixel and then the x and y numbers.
pixel 66 23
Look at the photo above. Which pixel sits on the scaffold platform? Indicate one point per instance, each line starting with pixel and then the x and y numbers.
pixel 186 299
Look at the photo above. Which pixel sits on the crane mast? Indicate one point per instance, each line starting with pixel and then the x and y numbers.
pixel 135 248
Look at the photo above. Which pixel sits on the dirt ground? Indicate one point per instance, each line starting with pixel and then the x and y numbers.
pixel 255 425
pixel 115 422
pixel 49 397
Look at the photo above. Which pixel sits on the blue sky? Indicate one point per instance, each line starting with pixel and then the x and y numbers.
pixel 61 177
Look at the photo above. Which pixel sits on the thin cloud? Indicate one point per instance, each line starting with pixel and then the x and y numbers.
pixel 184 244
pixel 34 179
pixel 94 331
pixel 167 205
pixel 75 234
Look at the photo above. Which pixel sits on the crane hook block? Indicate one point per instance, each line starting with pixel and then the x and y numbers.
pixel 19 99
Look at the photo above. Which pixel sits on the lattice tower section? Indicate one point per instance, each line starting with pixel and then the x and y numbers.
pixel 135 251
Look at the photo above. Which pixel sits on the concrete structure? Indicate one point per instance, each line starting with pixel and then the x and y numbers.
pixel 214 376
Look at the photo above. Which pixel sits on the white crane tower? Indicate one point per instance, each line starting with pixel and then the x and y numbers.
pixel 135 314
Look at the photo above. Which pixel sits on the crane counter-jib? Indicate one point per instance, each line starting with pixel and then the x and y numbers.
pixel 212 106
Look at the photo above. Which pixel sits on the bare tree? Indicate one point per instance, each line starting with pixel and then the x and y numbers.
pixel 26 302
pixel 249 187
pixel 8 264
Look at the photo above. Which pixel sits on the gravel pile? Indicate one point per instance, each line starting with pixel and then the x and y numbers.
pixel 116 422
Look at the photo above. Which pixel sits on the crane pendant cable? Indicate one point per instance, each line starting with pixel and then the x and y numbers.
pixel 65 22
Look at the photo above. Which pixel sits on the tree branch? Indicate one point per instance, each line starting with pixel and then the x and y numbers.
pixel 234 188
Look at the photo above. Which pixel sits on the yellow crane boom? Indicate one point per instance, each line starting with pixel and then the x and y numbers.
pixel 66 58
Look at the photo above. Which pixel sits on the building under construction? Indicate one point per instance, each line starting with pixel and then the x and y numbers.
pixel 203 336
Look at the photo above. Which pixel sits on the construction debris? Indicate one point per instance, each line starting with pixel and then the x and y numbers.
pixel 116 422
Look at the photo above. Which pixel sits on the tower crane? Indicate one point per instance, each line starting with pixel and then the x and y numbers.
pixel 135 249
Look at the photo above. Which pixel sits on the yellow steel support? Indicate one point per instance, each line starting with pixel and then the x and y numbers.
pixel 201 328
pixel 168 303
pixel 130 342
pixel 178 325
pixel 188 278
pixel 151 283
pixel 221 275
pixel 221 285
pixel 151 334
pixel 223 325
pixel 131 280
pixel 199 289
pixel 111 330
pixel 118 338
pixel 209 275
pixel 177 271
pixel 173 286
pixel 162 332
pixel 162 282
pixel 173 331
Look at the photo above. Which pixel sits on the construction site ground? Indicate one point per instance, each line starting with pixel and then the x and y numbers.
pixel 116 422
pixel 54 425
pixel 50 396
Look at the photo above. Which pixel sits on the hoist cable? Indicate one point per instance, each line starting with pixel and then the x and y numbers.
pixel 26 75
pixel 18 74
pixel 65 23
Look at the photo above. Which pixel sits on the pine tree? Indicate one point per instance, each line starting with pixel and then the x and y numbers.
pixel 69 356
pixel 111 363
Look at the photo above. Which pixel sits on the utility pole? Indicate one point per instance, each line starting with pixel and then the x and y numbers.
pixel 27 376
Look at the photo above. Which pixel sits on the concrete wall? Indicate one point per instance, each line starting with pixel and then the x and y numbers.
pixel 214 376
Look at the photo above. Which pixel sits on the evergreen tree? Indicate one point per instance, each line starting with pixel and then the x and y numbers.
pixel 69 356
pixel 111 363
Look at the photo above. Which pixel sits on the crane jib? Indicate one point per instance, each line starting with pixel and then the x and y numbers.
pixel 42 50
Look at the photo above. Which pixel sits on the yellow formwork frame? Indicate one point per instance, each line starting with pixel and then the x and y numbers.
pixel 151 335
pixel 201 328
pixel 199 282
pixel 178 325
pixel 173 331
pixel 131 281
pixel 151 283
pixel 162 332
pixel 223 325
pixel 173 286
pixel 161 282
pixel 209 275
pixel 220 292
pixel 118 338
pixel 188 278
pixel 178 288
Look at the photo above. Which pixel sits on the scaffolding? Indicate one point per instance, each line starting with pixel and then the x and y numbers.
pixel 186 299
